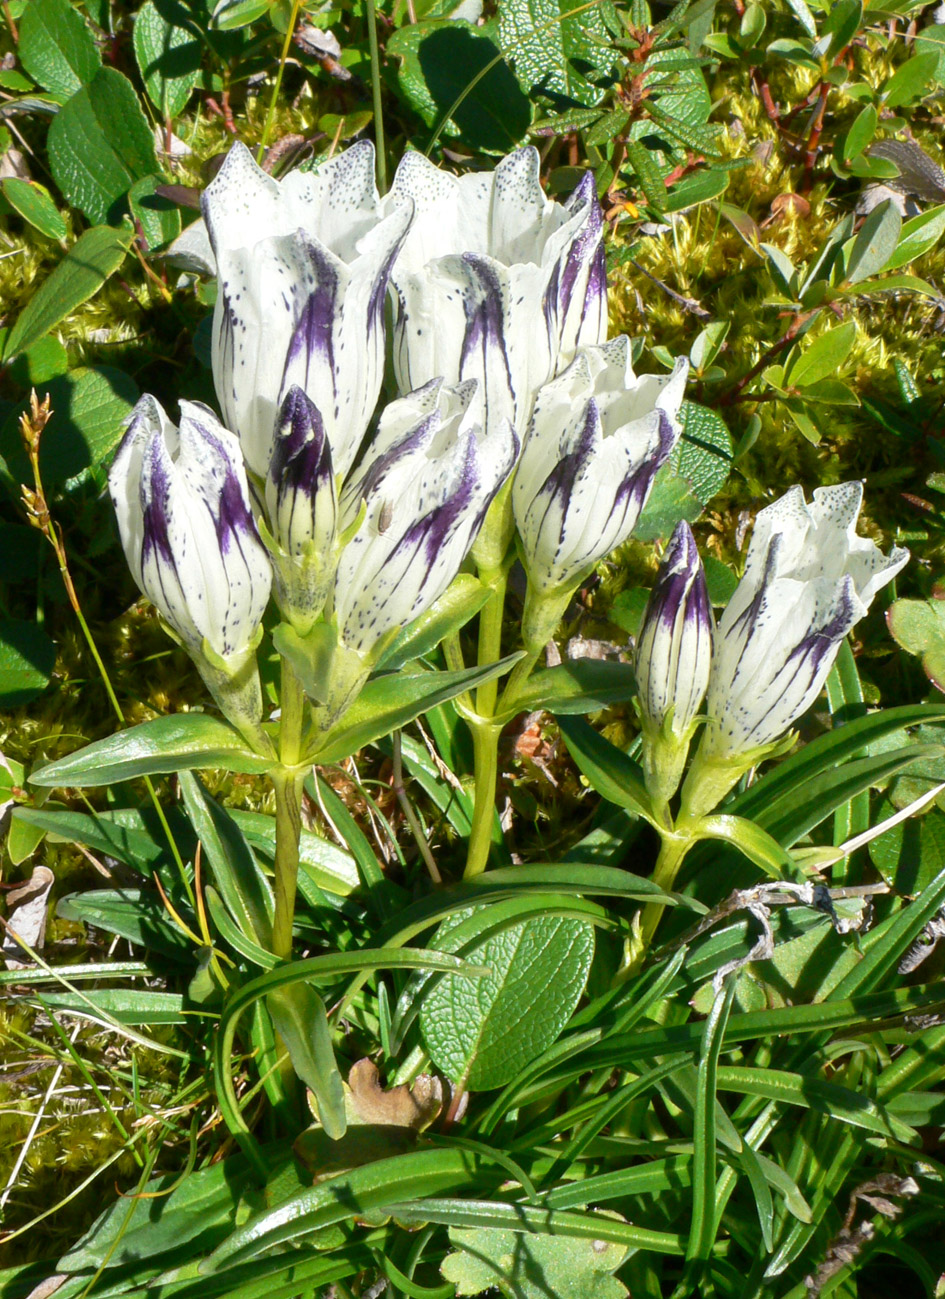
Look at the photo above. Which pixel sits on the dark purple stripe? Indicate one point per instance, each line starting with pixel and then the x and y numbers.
pixel 559 485
pixel 485 324
pixel 154 511
pixel 233 520
pixel 313 334
pixel 635 488
pixel 419 435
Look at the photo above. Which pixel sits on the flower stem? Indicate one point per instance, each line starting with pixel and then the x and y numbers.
pixel 673 850
pixel 287 781
pixel 271 114
pixel 486 771
pixel 376 96
pixel 490 638
pixel 485 733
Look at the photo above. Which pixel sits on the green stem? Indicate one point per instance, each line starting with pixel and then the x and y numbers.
pixel 287 781
pixel 672 853
pixel 486 770
pixel 485 733
pixel 376 97
pixel 270 115
pixel 516 682
pixel 490 637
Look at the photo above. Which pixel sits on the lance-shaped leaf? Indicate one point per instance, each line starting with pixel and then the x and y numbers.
pixel 596 439
pixel 177 743
pixel 303 266
pixel 808 580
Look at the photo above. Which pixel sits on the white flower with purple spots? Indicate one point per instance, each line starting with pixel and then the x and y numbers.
pixel 430 477
pixel 303 266
pixel 495 281
pixel 809 578
pixel 597 437
pixel 674 648
pixel 184 517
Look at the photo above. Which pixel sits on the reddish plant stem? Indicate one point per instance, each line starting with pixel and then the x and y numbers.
pixel 813 139
pixel 734 393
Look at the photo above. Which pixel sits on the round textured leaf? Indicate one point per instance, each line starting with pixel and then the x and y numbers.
pixel 439 62
pixel 158 217
pixel 56 47
pixel 481 1032
pixel 703 455
pixel 35 206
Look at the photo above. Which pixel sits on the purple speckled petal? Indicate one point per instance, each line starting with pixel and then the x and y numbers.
pixel 484 355
pixel 193 547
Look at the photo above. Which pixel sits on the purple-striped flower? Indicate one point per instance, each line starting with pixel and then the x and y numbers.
pixel 431 475
pixel 495 281
pixel 303 266
pixel 674 648
pixel 302 502
pixel 597 437
pixel 808 580
pixel 184 517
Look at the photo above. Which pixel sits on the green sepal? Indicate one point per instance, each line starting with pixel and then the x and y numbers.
pixel 329 672
pixel 710 779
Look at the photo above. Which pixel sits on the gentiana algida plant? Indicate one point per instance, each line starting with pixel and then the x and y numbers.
pixel 585 1093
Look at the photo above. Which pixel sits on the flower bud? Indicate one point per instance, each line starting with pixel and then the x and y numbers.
pixel 672 662
pixel 182 503
pixel 808 580
pixel 674 648
pixel 302 500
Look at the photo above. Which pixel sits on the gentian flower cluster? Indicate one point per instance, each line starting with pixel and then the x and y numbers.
pixel 512 415
pixel 359 523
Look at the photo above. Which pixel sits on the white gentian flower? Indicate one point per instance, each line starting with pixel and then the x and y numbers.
pixel 674 648
pixel 809 578
pixel 431 475
pixel 184 517
pixel 303 267
pixel 597 437
pixel 302 502
pixel 495 281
